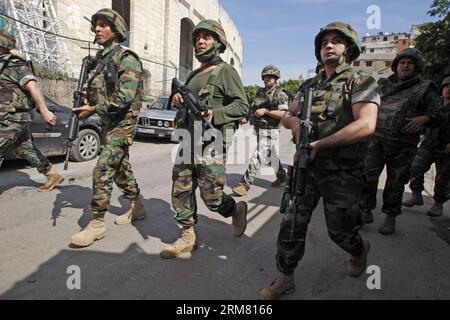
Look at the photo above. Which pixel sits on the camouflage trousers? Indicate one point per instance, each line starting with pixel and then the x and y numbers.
pixel 113 165
pixel 15 137
pixel 263 154
pixel 210 178
pixel 398 160
pixel 341 191
pixel 423 160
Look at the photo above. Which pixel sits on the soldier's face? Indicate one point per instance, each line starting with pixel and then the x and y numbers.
pixel 333 46
pixel 446 91
pixel 103 31
pixel 406 68
pixel 269 81
pixel 204 41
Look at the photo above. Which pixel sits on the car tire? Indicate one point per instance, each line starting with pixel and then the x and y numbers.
pixel 86 146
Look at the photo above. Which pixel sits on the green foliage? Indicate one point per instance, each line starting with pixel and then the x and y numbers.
pixel 434 42
pixel 290 86
pixel 44 72
pixel 250 91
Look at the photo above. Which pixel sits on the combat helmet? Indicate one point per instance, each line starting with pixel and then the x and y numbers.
pixel 354 49
pixel 271 70
pixel 215 28
pixel 118 23
pixel 446 81
pixel 414 53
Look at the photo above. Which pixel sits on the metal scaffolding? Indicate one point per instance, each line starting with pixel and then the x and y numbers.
pixel 38 41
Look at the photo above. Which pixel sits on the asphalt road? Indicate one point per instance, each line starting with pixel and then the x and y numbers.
pixel 36 261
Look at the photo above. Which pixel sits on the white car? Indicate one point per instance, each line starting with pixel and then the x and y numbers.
pixel 158 120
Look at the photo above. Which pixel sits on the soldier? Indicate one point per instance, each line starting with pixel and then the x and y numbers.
pixel 114 93
pixel 343 115
pixel 434 149
pixel 269 106
pixel 408 103
pixel 18 94
pixel 219 87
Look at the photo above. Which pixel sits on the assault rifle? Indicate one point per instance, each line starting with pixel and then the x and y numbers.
pixel 198 109
pixel 78 101
pixel 296 178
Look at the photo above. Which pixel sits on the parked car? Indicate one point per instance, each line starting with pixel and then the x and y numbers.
pixel 51 140
pixel 157 119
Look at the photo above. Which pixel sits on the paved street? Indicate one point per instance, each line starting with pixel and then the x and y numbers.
pixel 35 254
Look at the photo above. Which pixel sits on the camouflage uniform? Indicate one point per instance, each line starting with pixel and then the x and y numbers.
pixel 118 106
pixel 222 91
pixel 432 150
pixel 267 133
pixel 337 173
pixel 391 145
pixel 15 107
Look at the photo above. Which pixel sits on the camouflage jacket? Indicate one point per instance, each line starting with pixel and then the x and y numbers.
pixel 115 86
pixel 276 99
pixel 332 111
pixel 15 101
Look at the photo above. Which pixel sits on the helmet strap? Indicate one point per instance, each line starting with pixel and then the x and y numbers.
pixel 207 55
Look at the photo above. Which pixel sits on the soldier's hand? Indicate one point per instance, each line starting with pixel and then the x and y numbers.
pixel 210 115
pixel 84 112
pixel 314 146
pixel 447 148
pixel 178 100
pixel 415 124
pixel 244 121
pixel 260 112
pixel 49 118
pixel 296 133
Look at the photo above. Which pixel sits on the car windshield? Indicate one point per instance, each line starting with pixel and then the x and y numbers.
pixel 161 104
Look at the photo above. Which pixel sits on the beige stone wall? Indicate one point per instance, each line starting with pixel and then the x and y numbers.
pixel 155 33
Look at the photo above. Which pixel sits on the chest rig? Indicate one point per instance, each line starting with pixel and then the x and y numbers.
pixel 267 101
pixel 103 85
pixel 12 97
pixel 332 111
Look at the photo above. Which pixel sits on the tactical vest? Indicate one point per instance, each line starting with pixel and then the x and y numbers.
pixel 263 100
pixel 104 82
pixel 396 107
pixel 12 97
pixel 439 136
pixel 332 111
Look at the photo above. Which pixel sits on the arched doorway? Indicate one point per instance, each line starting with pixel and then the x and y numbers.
pixel 186 50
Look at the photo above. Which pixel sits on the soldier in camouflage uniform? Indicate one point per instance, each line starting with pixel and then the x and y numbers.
pixel 114 93
pixel 343 115
pixel 269 106
pixel 220 88
pixel 18 90
pixel 434 149
pixel 408 103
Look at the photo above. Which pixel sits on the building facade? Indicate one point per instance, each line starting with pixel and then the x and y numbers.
pixel 160 33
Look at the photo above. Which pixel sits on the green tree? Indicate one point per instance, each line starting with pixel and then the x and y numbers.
pixel 291 87
pixel 250 91
pixel 434 42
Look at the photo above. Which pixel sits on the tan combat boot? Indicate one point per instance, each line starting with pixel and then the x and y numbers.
pixel 241 190
pixel 136 212
pixel 239 219
pixel 357 265
pixel 282 285
pixel 183 245
pixel 53 179
pixel 95 230
pixel 415 200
